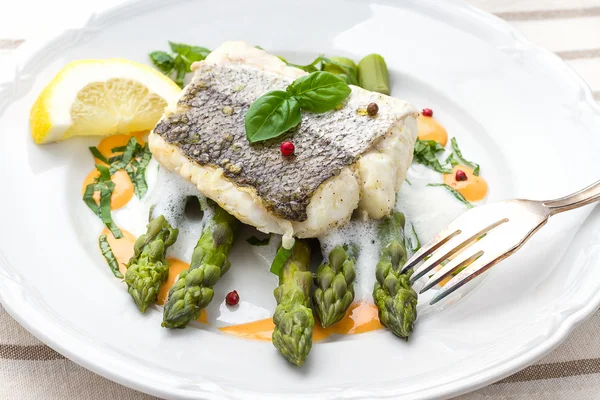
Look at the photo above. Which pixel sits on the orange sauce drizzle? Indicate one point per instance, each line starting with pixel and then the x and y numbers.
pixel 475 188
pixel 429 129
pixel 360 317
pixel 123 251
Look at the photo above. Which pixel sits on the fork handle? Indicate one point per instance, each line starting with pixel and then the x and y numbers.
pixel 578 199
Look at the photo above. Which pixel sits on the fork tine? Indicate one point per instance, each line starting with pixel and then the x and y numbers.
pixel 452 247
pixel 478 267
pixel 464 259
pixel 432 245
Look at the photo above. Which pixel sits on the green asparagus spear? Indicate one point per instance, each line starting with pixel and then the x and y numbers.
pixel 193 291
pixel 147 269
pixel 373 74
pixel 293 317
pixel 393 294
pixel 335 285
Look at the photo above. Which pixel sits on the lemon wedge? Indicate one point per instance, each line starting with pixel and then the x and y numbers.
pixel 101 98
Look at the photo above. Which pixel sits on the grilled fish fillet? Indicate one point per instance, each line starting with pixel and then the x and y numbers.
pixel 345 160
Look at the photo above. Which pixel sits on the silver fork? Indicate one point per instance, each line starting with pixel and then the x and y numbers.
pixel 483 236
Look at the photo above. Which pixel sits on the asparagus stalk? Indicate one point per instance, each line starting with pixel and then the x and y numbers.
pixel 373 74
pixel 293 317
pixel 335 285
pixel 393 295
pixel 147 269
pixel 193 291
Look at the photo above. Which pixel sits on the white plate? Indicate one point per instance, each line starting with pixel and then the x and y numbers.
pixel 530 120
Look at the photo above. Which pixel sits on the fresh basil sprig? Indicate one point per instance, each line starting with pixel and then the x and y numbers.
pixel 276 112
pixel 178 63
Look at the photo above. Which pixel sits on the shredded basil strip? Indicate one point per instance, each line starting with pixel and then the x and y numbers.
pixel 127 156
pixel 416 245
pixel 106 190
pixel 109 256
pixel 96 153
pixel 119 149
pixel 454 192
pixel 88 198
pixel 104 173
pixel 131 172
pixel 280 259
pixel 140 185
pixel 254 241
pixel 460 157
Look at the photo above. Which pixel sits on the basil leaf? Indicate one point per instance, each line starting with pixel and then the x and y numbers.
pixel 271 115
pixel 280 259
pixel 192 53
pixel 96 153
pixel 454 192
pixel 320 91
pixel 163 61
pixel 181 68
pixel 109 256
pixel 460 157
pixel 254 241
pixel 425 153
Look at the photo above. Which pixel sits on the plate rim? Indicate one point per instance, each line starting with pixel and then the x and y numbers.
pixel 13 297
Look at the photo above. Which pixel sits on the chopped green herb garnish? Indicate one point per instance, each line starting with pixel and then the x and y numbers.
pixel 88 198
pixel 119 149
pixel 460 157
pixel 407 181
pixel 140 185
pixel 106 190
pixel 254 241
pixel 454 192
pixel 127 156
pixel 104 173
pixel 451 159
pixel 426 153
pixel 96 153
pixel 413 242
pixel 279 261
pixel 115 159
pixel 131 172
pixel 109 256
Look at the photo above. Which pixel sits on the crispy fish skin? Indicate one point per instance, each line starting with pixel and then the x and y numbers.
pixel 203 136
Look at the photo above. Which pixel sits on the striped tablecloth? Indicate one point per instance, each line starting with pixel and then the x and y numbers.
pixel 571 28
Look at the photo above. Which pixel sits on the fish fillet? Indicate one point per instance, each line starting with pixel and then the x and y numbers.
pixel 345 160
